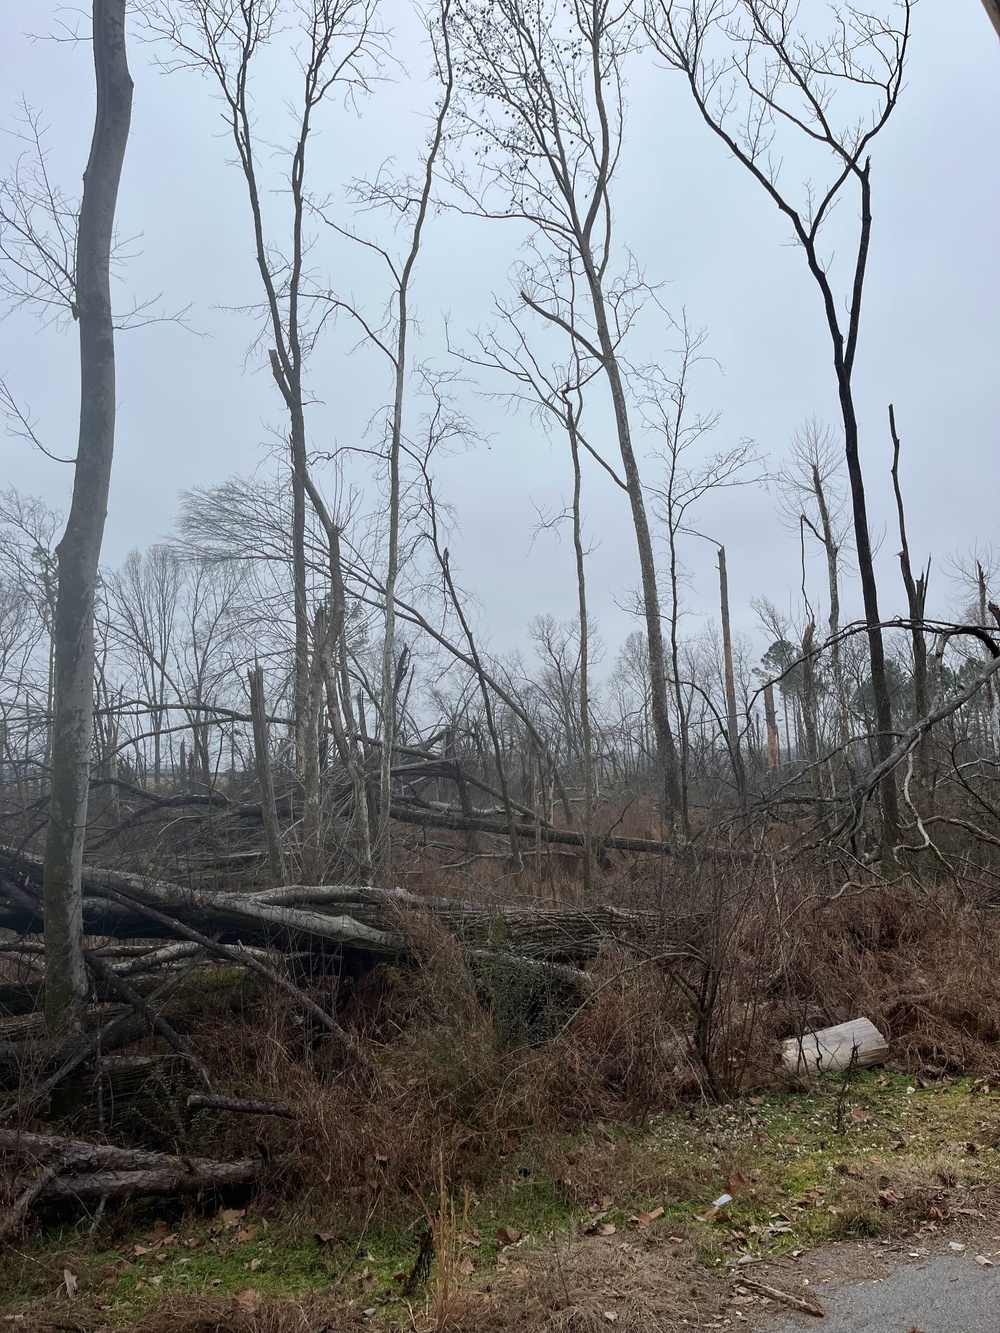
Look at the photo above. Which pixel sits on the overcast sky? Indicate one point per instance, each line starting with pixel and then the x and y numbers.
pixel 196 407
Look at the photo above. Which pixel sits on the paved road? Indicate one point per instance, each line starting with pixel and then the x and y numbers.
pixel 946 1294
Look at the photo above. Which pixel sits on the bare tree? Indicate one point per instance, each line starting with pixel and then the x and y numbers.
pixel 542 101
pixel 681 485
pixel 812 500
pixel 223 39
pixel 28 531
pixel 768 78
pixel 411 201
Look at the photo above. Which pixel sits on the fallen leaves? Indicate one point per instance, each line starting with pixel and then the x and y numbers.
pixel 643 1219
pixel 508 1236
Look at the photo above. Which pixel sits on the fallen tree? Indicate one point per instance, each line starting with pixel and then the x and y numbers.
pixel 348 920
pixel 74 1169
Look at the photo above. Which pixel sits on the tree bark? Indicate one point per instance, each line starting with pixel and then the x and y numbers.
pixel 79 551
pixel 916 601
pixel 269 813
pixel 773 751
pixel 732 720
pixel 586 741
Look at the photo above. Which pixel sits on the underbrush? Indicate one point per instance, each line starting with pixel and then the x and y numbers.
pixel 609 1217
pixel 557 1110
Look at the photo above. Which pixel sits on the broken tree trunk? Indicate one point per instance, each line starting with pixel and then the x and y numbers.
pixel 830 1050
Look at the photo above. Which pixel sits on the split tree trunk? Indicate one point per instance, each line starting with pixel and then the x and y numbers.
pixel 79 551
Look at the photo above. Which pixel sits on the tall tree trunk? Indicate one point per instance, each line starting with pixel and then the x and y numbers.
pixel 79 551
pixel 666 749
pixel 843 356
pixel 586 744
pixel 732 720
pixel 265 781
pixel 832 550
pixel 300 598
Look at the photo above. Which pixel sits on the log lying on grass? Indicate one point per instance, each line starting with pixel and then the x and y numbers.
pixel 74 1169
pixel 832 1050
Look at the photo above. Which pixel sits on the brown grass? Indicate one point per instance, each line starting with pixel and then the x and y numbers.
pixel 452 1087
pixel 646 1284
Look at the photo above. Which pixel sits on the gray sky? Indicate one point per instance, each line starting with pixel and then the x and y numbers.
pixel 195 409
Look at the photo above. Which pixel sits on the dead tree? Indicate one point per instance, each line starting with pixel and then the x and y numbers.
pixel 768 76
pixel 542 103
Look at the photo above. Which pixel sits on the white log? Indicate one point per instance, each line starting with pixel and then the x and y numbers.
pixel 831 1049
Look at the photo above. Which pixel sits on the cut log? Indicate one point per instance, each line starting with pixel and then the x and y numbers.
pixel 831 1050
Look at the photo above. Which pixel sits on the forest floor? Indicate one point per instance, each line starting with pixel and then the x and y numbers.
pixel 617 1226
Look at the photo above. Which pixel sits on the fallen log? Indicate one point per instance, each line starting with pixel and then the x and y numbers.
pixel 857 1044
pixel 342 919
pixel 116 1184
pixel 200 1101
pixel 433 818
pixel 80 1155
pixel 77 1169
pixel 239 918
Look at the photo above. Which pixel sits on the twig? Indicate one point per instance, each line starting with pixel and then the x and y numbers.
pixel 156 1021
pixel 17 1211
pixel 88 1046
pixel 785 1297
pixel 244 958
